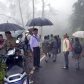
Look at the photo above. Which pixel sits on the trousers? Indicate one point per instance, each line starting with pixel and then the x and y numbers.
pixel 36 56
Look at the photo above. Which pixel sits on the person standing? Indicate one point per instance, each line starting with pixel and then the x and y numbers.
pixel 34 45
pixel 66 44
pixel 59 44
pixel 55 49
pixel 77 49
pixel 46 48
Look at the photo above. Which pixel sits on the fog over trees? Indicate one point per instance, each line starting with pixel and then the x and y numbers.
pixel 77 20
pixel 66 15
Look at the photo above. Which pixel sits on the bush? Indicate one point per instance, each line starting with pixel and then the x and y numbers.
pixel 2 73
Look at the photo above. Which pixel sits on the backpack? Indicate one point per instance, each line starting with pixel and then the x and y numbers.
pixel 70 45
pixel 55 44
pixel 45 44
pixel 77 48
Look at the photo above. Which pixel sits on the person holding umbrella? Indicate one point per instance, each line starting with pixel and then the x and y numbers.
pixel 35 47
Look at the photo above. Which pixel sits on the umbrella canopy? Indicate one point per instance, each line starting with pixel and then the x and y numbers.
pixel 39 22
pixel 10 27
pixel 79 34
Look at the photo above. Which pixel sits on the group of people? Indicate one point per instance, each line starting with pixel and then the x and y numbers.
pixel 27 46
pixel 73 46
pixel 51 46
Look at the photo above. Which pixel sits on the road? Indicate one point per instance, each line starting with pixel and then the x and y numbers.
pixel 52 73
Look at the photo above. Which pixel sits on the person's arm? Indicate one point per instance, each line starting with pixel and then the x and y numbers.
pixel 5 45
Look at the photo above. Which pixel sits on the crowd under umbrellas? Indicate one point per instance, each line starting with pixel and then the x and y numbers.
pixel 37 22
pixel 34 22
pixel 51 45
pixel 5 27
pixel 14 27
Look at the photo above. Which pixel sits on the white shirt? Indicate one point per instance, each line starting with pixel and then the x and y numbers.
pixel 34 41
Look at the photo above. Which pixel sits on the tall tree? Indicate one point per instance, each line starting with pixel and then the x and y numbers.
pixel 77 18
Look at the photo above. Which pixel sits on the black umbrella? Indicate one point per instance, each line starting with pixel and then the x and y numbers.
pixel 39 22
pixel 10 27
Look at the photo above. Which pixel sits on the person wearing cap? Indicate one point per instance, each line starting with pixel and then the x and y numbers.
pixel 34 45
pixel 10 41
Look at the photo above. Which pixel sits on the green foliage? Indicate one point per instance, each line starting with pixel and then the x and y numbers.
pixel 2 72
pixel 77 18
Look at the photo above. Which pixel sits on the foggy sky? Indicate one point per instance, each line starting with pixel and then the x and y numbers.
pixel 58 11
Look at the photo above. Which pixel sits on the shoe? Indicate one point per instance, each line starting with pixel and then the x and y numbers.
pixel 46 61
pixel 39 66
pixel 65 68
pixel 30 81
pixel 33 68
pixel 49 55
pixel 54 60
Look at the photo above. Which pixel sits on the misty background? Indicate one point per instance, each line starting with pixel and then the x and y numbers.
pixel 66 15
